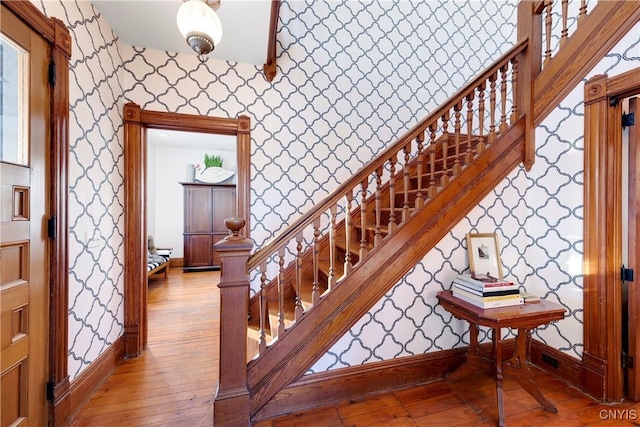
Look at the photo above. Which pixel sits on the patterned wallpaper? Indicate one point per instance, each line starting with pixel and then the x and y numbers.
pixel 96 191
pixel 352 76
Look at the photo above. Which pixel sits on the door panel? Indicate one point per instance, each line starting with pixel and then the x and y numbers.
pixel 23 249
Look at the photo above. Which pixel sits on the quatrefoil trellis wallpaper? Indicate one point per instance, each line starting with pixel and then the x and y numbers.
pixel 352 76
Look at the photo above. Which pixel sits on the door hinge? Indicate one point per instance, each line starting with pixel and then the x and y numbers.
pixel 626 274
pixel 627 361
pixel 628 120
pixel 51 227
pixel 50 391
pixel 52 73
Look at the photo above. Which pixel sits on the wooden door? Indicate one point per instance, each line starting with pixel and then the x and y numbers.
pixel 23 247
pixel 631 341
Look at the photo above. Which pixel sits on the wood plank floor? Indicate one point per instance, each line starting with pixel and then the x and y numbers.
pixel 173 382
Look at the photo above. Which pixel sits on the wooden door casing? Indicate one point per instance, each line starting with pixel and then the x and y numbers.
pixel 633 296
pixel 136 122
pixel 24 283
pixel 602 374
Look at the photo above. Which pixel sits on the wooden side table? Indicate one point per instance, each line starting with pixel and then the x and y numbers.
pixel 523 317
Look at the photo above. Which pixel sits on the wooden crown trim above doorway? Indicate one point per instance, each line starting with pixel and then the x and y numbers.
pixel 136 121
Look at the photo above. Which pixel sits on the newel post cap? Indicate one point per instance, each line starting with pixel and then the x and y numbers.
pixel 234 241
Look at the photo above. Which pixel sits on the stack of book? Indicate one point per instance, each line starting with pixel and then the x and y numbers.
pixel 486 292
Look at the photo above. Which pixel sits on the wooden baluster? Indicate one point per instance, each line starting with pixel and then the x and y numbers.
pixel 419 170
pixel 363 220
pixel 481 107
pixel 503 99
pixel 392 195
pixel 565 31
pixel 332 248
pixel 299 309
pixel 432 161
pixel 548 21
pixel 281 291
pixel 444 179
pixel 457 167
pixel 407 182
pixel 262 343
pixel 515 90
pixel 583 11
pixel 469 156
pixel 315 290
pixel 378 236
pixel 347 233
pixel 492 108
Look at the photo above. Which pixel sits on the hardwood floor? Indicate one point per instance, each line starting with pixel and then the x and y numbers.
pixel 173 382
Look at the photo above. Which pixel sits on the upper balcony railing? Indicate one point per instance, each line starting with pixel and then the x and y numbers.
pixel 559 17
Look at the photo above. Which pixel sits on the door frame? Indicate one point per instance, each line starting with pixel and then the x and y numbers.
pixel 136 121
pixel 632 315
pixel 57 35
pixel 602 290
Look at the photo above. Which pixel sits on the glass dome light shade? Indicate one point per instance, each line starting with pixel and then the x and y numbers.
pixel 199 25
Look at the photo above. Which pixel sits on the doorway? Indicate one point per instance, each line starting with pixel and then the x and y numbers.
pixel 603 374
pixel 175 158
pixel 137 122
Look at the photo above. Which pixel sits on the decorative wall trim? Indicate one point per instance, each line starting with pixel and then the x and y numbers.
pixel 328 387
pixel 594 376
pixel 176 262
pixel 357 381
pixel 83 387
pixel 557 362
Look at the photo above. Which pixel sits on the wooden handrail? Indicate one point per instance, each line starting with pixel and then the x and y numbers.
pixel 539 6
pixel 270 66
pixel 416 131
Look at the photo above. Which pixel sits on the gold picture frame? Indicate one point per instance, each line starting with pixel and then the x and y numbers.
pixel 484 255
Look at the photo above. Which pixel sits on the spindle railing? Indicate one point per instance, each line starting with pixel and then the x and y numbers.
pixel 427 157
pixel 557 17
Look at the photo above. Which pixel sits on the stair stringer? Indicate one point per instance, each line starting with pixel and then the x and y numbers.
pixel 321 327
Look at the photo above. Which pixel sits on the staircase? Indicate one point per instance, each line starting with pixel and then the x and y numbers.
pixel 325 271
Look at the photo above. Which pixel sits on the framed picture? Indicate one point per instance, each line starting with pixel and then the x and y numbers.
pixel 484 255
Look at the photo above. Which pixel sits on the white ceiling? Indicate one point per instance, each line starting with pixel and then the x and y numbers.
pixel 202 141
pixel 152 24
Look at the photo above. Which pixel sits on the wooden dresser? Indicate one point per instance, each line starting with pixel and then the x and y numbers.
pixel 206 206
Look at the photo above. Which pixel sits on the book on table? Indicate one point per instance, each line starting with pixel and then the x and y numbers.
pixel 485 285
pixel 486 292
pixel 508 301
pixel 489 292
pixel 499 296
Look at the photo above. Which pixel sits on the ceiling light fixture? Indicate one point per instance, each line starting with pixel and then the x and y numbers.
pixel 199 25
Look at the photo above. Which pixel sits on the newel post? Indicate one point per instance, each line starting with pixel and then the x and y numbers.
pixel 231 404
pixel 529 66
